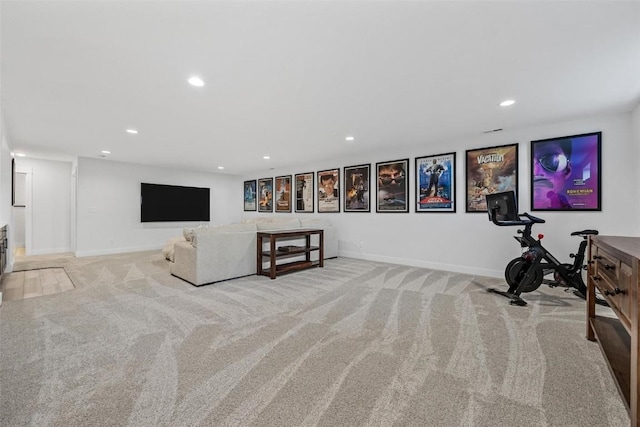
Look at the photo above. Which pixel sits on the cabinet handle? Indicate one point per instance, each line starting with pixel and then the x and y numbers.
pixel 595 278
pixel 609 267
pixel 597 257
pixel 616 291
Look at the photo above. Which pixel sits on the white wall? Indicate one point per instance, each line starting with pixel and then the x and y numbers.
pixel 5 192
pixel 635 126
pixel 468 242
pixel 108 205
pixel 48 205
pixel 5 183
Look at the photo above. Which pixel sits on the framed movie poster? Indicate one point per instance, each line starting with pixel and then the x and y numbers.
pixel 304 192
pixel 392 186
pixel 250 195
pixel 357 185
pixel 283 193
pixel 490 170
pixel 435 183
pixel 565 173
pixel 265 191
pixel 329 190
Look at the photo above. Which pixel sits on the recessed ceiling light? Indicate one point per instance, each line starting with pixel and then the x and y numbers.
pixel 507 102
pixel 20 154
pixel 266 157
pixel 106 152
pixel 220 167
pixel 196 81
pixel 132 131
pixel 349 138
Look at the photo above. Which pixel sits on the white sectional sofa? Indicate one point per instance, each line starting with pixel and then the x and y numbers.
pixel 213 254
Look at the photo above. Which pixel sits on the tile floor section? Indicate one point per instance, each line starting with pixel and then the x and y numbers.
pixel 34 283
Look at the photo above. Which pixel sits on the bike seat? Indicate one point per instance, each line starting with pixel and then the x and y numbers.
pixel 585 233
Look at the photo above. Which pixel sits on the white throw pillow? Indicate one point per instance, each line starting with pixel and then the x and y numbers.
pixel 168 249
pixel 188 233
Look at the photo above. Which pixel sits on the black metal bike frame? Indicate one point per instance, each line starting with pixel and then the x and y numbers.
pixel 551 264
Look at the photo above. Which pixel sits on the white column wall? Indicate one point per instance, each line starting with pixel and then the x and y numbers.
pixel 5 193
pixel 108 205
pixel 635 154
pixel 5 179
pixel 468 242
pixel 5 183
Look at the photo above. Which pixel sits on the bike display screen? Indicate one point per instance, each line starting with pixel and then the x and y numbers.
pixel 503 206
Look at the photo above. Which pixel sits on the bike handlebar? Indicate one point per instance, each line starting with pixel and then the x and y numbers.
pixel 530 219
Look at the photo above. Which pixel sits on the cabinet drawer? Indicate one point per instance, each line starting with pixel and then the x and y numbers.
pixel 606 265
pixel 613 278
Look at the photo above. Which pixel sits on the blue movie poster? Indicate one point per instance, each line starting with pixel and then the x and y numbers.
pixel 435 189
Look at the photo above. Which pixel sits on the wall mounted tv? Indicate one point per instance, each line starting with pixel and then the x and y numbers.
pixel 165 203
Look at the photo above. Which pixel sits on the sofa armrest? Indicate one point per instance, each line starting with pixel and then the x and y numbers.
pixel 185 260
pixel 218 256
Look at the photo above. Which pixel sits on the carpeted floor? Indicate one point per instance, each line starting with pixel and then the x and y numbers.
pixel 355 343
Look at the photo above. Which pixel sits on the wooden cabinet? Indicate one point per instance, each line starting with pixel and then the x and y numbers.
pixel 613 269
pixel 292 252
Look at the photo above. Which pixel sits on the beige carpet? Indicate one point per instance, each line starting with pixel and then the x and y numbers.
pixel 356 343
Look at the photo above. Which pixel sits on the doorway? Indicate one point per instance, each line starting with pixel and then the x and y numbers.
pixel 19 213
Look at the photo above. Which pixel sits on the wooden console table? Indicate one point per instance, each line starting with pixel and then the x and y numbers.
pixel 291 251
pixel 613 269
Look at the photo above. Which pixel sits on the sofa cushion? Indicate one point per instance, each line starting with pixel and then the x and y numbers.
pixel 279 224
pixel 205 233
pixel 236 227
pixel 314 222
pixel 256 220
pixel 188 233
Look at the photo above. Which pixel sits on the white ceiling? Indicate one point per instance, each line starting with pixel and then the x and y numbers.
pixel 291 79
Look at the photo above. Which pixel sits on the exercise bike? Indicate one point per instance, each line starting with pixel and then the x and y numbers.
pixel 526 273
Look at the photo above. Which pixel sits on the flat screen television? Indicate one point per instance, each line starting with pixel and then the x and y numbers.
pixel 503 206
pixel 166 203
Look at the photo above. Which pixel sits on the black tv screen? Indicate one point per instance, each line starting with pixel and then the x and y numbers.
pixel 164 203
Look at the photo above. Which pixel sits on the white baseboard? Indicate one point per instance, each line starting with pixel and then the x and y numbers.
pixel 50 251
pixel 114 251
pixel 425 264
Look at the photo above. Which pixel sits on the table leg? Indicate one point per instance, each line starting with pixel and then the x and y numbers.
pixel 321 235
pixel 272 257
pixel 259 255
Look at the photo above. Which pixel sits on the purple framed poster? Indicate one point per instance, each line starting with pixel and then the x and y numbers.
pixel 565 173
